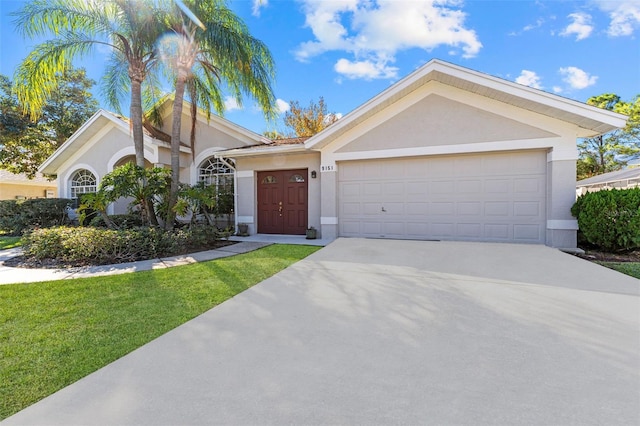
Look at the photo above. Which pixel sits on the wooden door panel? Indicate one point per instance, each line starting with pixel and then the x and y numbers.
pixel 282 202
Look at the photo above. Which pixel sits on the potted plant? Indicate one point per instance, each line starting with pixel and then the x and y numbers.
pixel 243 229
pixel 311 233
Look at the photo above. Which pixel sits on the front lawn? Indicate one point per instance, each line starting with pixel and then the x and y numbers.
pixel 629 268
pixel 9 242
pixel 57 332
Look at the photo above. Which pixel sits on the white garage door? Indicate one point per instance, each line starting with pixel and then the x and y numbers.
pixel 478 197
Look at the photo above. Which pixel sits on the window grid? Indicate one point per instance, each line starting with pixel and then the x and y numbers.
pixel 214 171
pixel 83 182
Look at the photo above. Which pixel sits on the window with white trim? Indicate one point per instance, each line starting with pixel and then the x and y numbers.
pixel 82 182
pixel 219 173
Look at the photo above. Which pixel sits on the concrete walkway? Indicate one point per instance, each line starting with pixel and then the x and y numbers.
pixel 388 332
pixel 9 275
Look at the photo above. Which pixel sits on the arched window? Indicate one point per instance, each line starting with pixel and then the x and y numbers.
pixel 214 171
pixel 219 173
pixel 82 182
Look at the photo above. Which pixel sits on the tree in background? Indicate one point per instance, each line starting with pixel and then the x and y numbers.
pixel 128 28
pixel 307 121
pixel 25 141
pixel 610 152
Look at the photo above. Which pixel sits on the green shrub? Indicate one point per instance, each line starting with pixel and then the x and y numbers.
pixel 18 215
pixel 99 246
pixel 610 219
pixel 121 221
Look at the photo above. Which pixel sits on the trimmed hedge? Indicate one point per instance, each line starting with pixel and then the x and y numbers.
pixel 16 216
pixel 98 246
pixel 610 219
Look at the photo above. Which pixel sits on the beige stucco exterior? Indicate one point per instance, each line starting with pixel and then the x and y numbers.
pixel 106 140
pixel 416 126
pixel 19 186
pixel 439 111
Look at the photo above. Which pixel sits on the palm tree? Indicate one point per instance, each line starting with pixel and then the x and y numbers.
pixel 128 28
pixel 211 47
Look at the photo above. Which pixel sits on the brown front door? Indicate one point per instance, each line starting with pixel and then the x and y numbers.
pixel 282 202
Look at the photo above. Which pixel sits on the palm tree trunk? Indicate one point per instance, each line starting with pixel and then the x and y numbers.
pixel 138 136
pixel 136 120
pixel 175 147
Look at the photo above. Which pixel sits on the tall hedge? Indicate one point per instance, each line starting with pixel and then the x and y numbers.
pixel 610 219
pixel 18 215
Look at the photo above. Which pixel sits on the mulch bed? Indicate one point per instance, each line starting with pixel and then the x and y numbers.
pixel 29 263
pixel 595 255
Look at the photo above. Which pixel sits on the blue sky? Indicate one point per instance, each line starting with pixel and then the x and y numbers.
pixel 349 51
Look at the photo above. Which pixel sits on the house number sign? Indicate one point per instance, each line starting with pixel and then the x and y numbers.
pixel 328 168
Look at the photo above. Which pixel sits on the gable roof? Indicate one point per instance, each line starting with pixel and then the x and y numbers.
pixel 151 134
pixel 592 120
pixel 275 146
pixel 610 177
pixel 22 179
pixel 81 136
pixel 229 127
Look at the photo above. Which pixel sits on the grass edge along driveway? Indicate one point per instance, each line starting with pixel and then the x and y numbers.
pixel 54 333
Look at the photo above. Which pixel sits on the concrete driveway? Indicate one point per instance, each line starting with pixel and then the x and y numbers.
pixel 388 332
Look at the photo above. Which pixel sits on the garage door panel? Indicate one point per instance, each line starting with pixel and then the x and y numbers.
pixel 441 167
pixel 394 229
pixel 468 166
pixel 441 187
pixel 498 197
pixel 349 189
pixel 417 208
pixel 526 208
pixel 469 230
pixel 416 188
pixel 351 209
pixel 497 231
pixel 372 188
pixel 443 230
pixel 499 208
pixel 394 189
pixel 371 209
pixel 498 186
pixel 469 186
pixel 529 185
pixel 526 233
pixel 469 209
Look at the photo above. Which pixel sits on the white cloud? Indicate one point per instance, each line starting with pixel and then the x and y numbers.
pixel 367 70
pixel 529 78
pixel 373 32
pixel 230 104
pixel 577 78
pixel 257 5
pixel 539 22
pixel 581 26
pixel 282 106
pixel 624 14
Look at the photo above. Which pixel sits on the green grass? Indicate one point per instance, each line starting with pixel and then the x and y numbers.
pixel 629 268
pixel 9 242
pixel 57 332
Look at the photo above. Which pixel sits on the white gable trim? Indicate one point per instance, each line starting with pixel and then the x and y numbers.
pixel 444 150
pixel 591 119
pixel 78 140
